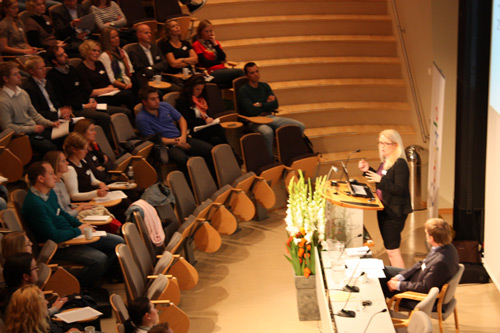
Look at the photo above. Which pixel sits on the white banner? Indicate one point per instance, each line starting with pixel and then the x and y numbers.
pixel 435 145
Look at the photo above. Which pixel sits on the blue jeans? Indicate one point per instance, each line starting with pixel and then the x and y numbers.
pixel 97 258
pixel 268 130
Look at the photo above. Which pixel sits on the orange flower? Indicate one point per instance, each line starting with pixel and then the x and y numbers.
pixel 303 231
pixel 307 272
pixel 308 247
pixel 290 239
pixel 301 252
pixel 302 242
pixel 307 255
pixel 300 260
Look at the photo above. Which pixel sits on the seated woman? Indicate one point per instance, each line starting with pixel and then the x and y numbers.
pixel 115 59
pixel 143 316
pixel 107 14
pixel 27 312
pixel 212 57
pixel 12 31
pixel 95 82
pixel 39 29
pixel 179 53
pixel 193 107
pixel 80 182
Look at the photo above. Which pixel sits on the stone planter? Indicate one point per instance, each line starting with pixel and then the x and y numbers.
pixel 307 299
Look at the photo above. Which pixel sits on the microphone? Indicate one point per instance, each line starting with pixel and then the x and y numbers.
pixel 333 168
pixel 347 244
pixel 353 288
pixel 373 315
pixel 344 166
pixel 344 312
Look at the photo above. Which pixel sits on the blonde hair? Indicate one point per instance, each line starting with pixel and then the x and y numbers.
pixel 13 242
pixel 86 46
pixel 394 137
pixel 27 311
pixel 32 62
pixel 439 229
pixel 74 140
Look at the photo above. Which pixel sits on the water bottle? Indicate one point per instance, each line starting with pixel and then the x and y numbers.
pixel 130 174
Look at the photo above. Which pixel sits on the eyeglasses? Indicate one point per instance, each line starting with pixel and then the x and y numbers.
pixel 34 269
pixel 385 144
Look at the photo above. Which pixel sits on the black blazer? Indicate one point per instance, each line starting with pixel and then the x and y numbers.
pixel 61 20
pixel 440 266
pixel 186 108
pixel 143 70
pixel 38 99
pixel 395 189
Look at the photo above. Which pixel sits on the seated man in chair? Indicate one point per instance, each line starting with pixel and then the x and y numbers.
pixel 257 99
pixel 438 267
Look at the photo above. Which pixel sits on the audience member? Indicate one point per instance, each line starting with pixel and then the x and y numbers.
pixel 179 53
pixel 39 30
pixel 256 98
pixel 115 60
pixel 15 242
pixel 212 57
pixel 48 220
pixel 143 316
pixel 159 118
pixel 42 93
pixel 27 312
pixel 18 113
pixel 81 183
pixel 146 57
pixel 12 31
pixel 95 82
pixel 98 161
pixel 193 107
pixel 66 82
pixel 161 328
pixel 66 20
pixel 438 267
pixel 108 14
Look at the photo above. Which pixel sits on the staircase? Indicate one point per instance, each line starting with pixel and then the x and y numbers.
pixel 332 64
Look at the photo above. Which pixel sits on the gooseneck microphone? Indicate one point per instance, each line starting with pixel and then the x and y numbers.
pixel 347 244
pixel 333 168
pixel 344 165
pixel 353 288
pixel 373 315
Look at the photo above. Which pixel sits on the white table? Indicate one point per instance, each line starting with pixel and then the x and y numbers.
pixel 369 290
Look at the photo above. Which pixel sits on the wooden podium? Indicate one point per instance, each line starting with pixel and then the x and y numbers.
pixel 354 210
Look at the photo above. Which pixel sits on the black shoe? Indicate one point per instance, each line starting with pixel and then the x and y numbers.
pixel 193 6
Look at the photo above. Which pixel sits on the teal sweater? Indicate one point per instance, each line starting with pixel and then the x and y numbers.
pixel 47 220
pixel 247 96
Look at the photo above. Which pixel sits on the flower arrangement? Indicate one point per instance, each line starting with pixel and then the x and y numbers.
pixel 305 223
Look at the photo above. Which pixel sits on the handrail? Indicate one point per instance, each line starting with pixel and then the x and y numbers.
pixel 424 132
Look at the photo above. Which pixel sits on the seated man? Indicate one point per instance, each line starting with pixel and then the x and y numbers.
pixel 159 118
pixel 257 99
pixel 66 83
pixel 48 220
pixel 146 58
pixel 438 267
pixel 18 114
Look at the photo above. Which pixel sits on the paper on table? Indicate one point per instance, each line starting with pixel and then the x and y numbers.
pixel 97 233
pixel 357 251
pixel 365 263
pixel 78 314
pixel 62 130
pixel 199 128
pixel 111 93
pixel 76 119
pixel 3 179
pixel 120 185
pixel 342 296
pixel 102 106
pixel 96 218
pixel 113 195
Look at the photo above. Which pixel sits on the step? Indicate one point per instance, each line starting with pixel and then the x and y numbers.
pixel 254 49
pixel 217 9
pixel 337 90
pixel 286 25
pixel 307 68
pixel 347 113
pixel 349 138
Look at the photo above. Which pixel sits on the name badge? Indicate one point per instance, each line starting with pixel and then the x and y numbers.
pixel 20 29
pixel 184 47
pixel 88 172
pixel 77 83
pixel 94 158
pixel 157 57
pixel 384 172
pixel 47 22
pixel 150 68
pixel 423 266
pixel 58 211
pixel 102 72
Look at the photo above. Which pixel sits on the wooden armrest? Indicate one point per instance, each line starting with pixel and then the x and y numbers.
pixel 47 292
pixel 53 265
pixel 137 157
pixel 410 295
pixel 158 256
pixel 115 171
pixel 155 276
pixel 161 302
